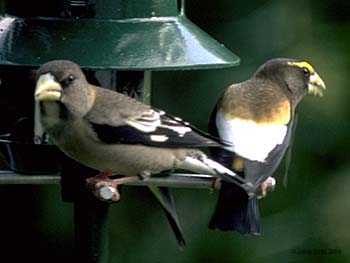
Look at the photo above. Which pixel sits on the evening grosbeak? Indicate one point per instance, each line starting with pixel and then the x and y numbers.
pixel 256 116
pixel 115 134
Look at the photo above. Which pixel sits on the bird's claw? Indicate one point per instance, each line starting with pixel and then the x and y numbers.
pixel 103 188
pixel 267 186
pixel 106 189
pixel 216 184
pixel 107 193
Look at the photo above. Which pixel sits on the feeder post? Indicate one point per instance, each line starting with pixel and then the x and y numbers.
pixel 90 214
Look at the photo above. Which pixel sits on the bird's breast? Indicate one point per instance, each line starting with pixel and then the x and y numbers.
pixel 262 104
pixel 251 140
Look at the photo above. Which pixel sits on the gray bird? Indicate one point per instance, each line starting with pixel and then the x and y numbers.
pixel 115 134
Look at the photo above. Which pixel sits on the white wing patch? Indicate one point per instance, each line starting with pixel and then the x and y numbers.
pixel 159 138
pixel 181 130
pixel 250 140
pixel 150 121
pixel 146 127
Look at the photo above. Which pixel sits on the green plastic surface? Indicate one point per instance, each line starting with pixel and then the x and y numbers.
pixel 162 39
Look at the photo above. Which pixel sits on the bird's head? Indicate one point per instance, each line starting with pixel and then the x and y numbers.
pixel 296 78
pixel 63 82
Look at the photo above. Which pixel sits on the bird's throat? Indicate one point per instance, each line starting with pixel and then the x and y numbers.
pixel 52 113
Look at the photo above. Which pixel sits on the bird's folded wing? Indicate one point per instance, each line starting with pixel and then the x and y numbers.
pixel 257 172
pixel 116 118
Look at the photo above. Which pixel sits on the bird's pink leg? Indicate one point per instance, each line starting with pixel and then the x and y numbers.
pixel 263 188
pixel 105 188
pixel 100 176
pixel 267 185
pixel 215 184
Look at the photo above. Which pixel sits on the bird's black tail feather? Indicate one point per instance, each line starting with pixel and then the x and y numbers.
pixel 235 211
pixel 166 199
pixel 175 226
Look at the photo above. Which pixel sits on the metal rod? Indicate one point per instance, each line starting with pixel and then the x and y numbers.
pixel 9 177
pixel 199 181
pixel 91 230
pixel 181 180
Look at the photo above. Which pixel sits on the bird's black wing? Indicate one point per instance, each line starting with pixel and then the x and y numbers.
pixel 257 172
pixel 155 128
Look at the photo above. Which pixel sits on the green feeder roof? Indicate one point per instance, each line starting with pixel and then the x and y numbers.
pixel 123 35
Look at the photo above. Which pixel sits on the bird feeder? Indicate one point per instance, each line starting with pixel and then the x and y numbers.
pixel 108 34
pixel 118 44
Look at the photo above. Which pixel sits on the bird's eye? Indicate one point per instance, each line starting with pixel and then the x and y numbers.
pixel 70 78
pixel 306 72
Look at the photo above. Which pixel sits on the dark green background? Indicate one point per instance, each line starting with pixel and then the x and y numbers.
pixel 299 223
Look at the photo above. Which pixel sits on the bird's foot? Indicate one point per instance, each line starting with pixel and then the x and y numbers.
pixel 144 175
pixel 216 184
pixel 267 185
pixel 99 177
pixel 105 188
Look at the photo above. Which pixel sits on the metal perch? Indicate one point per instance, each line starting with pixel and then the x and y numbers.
pixel 178 180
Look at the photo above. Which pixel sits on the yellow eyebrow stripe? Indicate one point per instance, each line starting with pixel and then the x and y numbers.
pixel 303 64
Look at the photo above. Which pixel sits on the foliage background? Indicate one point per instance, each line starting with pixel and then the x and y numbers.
pixel 300 222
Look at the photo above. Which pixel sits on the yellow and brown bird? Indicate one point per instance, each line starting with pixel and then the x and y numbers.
pixel 256 116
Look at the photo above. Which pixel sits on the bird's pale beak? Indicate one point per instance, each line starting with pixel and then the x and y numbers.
pixel 47 89
pixel 316 85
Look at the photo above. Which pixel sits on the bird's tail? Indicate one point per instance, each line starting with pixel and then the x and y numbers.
pixel 235 211
pixel 166 199
pixel 200 163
